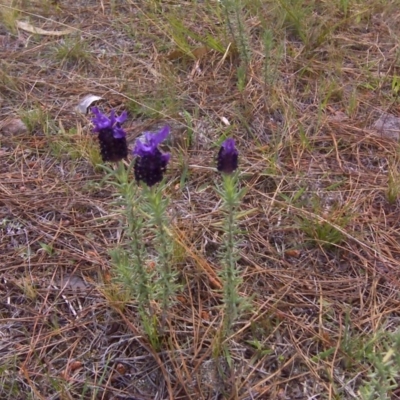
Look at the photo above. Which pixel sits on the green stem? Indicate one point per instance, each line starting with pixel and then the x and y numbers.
pixel 130 194
pixel 230 271
pixel 158 210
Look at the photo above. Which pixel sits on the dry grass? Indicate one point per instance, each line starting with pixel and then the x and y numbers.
pixel 319 251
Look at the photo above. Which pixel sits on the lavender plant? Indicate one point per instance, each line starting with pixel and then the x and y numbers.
pixel 150 166
pixel 227 164
pixel 129 262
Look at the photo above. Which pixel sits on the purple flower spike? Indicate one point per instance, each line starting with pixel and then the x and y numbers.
pixel 227 157
pixel 151 164
pixel 112 137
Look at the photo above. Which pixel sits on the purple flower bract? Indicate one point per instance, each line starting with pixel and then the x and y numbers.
pixel 151 163
pixel 112 137
pixel 227 160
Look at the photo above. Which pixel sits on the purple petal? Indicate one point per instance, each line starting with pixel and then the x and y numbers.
pixel 100 121
pixel 112 117
pixel 122 118
pixel 118 132
pixel 229 146
pixel 161 135
pixel 140 149
pixel 147 141
pixel 148 144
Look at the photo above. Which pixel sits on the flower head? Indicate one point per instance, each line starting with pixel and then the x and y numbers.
pixel 227 157
pixel 150 163
pixel 112 137
pixel 102 122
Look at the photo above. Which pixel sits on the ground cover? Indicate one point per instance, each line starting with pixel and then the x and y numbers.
pixel 309 90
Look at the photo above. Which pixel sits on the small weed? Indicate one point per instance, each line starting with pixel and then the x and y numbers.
pixel 321 232
pixel 48 248
pixel 384 373
pixel 235 21
pixel 117 296
pixel 28 288
pixel 294 196
pixel 181 35
pixel 396 85
pixel 393 190
pixel 330 93
pixel 260 350
pixel 190 133
pixel 270 69
pixel 8 83
pixel 9 387
pixel 325 228
pixel 355 347
pixel 9 16
pixel 295 16
pixel 37 120
pixel 184 171
pixel 157 105
pixel 344 6
pixel 304 140
pixel 353 103
pixel 73 50
pixel 72 143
